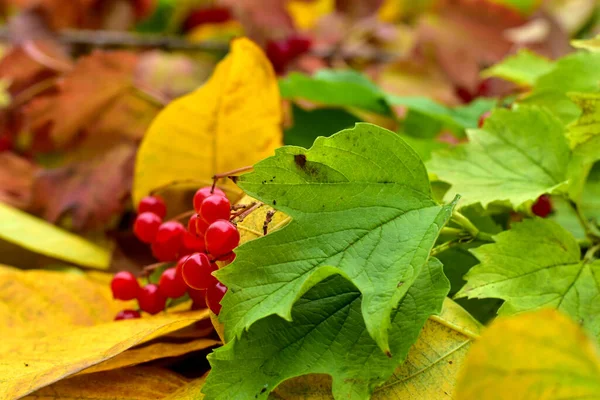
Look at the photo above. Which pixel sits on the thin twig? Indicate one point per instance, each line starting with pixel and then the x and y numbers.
pixel 468 226
pixel 268 219
pixel 242 210
pixel 249 211
pixel 183 215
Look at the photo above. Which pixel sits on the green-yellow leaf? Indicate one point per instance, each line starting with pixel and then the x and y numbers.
pixel 42 237
pixel 522 68
pixel 231 122
pixel 592 44
pixel 542 355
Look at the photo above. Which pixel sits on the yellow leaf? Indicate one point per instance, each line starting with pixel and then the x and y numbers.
pixel 234 120
pixel 138 383
pixel 36 303
pixel 41 237
pixel 539 355
pixel 27 365
pixel 252 226
pixel 151 352
pixel 191 391
pixel 306 14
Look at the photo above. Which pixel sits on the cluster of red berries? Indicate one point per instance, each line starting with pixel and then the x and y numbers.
pixel 209 237
pixel 282 52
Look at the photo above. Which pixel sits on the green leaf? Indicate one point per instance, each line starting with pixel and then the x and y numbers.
pixel 341 88
pixel 533 265
pixel 590 201
pixel 310 124
pixel 41 237
pixel 578 72
pixel 523 68
pixel 361 206
pixel 328 336
pixel 516 157
pixel 592 44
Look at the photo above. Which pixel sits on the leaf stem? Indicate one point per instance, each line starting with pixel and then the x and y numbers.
pixel 590 254
pixel 443 247
pixel 584 223
pixel 468 226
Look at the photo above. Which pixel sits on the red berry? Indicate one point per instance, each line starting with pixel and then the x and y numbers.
pixel 203 193
pixel 168 241
pixel 299 44
pixel 214 15
pixel 153 204
pixel 542 206
pixel 171 283
pixel 215 207
pixel 6 144
pixel 196 271
pixel 198 298
pixel 280 54
pixel 124 286
pixel 227 258
pixel 221 238
pixel 127 314
pixel 192 228
pixel 151 299
pixel 483 117
pixel 193 243
pixel 214 295
pixel 146 226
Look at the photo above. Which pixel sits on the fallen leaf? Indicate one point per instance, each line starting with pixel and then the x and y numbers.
pixel 539 355
pixel 191 391
pixel 91 192
pixel 152 352
pixel 232 121
pixel 42 237
pixel 79 100
pixel 27 365
pixel 37 303
pixel 16 180
pixel 137 383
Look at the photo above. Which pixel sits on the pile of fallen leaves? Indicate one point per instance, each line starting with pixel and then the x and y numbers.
pixel 104 101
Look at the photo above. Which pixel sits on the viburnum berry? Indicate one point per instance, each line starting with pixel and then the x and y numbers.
pixel 279 53
pixel 196 271
pixel 299 44
pixel 221 237
pixel 193 243
pixel 171 283
pixel 151 299
pixel 146 226
pixel 483 117
pixel 168 241
pixel 214 295
pixel 153 204
pixel 542 206
pixel 197 225
pixel 124 286
pixel 127 314
pixel 198 298
pixel 203 193
pixel 215 207
pixel 213 15
pixel 6 144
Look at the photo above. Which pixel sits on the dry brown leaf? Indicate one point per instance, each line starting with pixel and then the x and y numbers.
pixel 16 180
pixel 91 192
pixel 152 351
pixel 95 83
pixel 27 365
pixel 137 383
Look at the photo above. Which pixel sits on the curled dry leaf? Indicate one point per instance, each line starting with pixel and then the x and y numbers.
pixel 137 383
pixel 80 101
pixel 90 192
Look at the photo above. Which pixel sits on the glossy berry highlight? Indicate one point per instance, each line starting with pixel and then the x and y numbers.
pixel 171 283
pixel 127 314
pixel 221 238
pixel 151 299
pixel 146 226
pixel 168 241
pixel 214 295
pixel 203 193
pixel 124 286
pixel 197 270
pixel 215 207
pixel 153 204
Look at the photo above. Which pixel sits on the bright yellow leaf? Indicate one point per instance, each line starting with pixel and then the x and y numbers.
pixel 42 237
pixel 138 383
pixel 234 120
pixel 540 355
pixel 27 364
pixel 306 14
pixel 36 303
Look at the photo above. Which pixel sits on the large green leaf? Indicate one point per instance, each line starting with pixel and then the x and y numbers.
pixel 578 72
pixel 523 68
pixel 42 237
pixel 537 264
pixel 310 124
pixel 327 335
pixel 516 157
pixel 361 206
